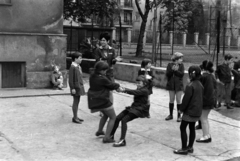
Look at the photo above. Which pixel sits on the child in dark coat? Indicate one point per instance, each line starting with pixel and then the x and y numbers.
pixel 209 99
pixel 191 108
pixel 223 75
pixel 139 108
pixel 76 84
pixel 99 99
pixel 146 71
pixel 174 74
pixel 236 74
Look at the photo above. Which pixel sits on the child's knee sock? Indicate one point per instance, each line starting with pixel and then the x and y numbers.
pixel 178 108
pixel 171 106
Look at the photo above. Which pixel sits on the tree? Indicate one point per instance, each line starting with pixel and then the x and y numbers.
pixel 177 14
pixel 148 6
pixel 81 10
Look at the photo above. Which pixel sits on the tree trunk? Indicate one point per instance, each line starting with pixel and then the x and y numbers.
pixel 141 35
pixel 143 25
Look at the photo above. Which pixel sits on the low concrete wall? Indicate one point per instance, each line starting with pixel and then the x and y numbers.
pixel 128 72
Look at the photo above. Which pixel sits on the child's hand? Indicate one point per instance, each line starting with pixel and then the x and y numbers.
pixel 120 89
pixel 119 59
pixel 175 67
pixel 220 82
pixel 73 91
pixel 231 65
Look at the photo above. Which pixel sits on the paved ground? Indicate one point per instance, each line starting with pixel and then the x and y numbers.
pixel 36 125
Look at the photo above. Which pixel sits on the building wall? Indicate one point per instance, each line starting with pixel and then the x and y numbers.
pixel 31 31
pixel 32 16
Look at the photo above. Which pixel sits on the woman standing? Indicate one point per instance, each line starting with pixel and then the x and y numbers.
pixel 209 83
pixel 106 53
pixel 175 73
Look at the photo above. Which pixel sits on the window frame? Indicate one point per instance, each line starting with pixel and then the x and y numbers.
pixel 5 2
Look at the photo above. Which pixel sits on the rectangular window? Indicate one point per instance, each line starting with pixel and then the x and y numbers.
pixel 128 17
pixel 5 2
pixel 128 3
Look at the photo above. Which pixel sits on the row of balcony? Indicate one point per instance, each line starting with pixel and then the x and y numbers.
pixel 116 22
pixel 126 4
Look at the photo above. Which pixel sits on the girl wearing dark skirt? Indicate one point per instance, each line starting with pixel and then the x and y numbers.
pixel 99 99
pixel 209 83
pixel 192 109
pixel 175 73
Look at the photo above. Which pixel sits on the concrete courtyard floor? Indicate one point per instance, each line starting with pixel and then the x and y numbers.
pixel 35 125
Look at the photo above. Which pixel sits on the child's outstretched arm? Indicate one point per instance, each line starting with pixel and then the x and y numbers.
pixel 136 92
pixel 109 84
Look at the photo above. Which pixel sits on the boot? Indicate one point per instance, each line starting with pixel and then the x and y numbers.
pixel 170 117
pixel 179 118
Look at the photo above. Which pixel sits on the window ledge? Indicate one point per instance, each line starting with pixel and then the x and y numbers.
pixel 5 4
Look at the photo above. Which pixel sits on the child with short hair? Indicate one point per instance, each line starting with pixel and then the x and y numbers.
pixel 146 71
pixel 57 78
pixel 191 108
pixel 139 108
pixel 76 84
pixel 223 75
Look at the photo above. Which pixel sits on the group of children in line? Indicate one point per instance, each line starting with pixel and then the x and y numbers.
pixel 199 95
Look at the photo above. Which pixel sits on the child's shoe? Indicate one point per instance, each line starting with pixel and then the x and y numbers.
pixel 170 117
pixel 76 121
pixel 99 133
pixel 120 143
pixel 109 140
pixel 179 119
pixel 190 149
pixel 205 139
pixel 181 151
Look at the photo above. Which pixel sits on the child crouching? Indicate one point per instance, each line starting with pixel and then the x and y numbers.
pixel 139 108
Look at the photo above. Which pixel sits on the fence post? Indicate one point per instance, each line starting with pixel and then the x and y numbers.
pixel 184 35
pixel 114 33
pixel 238 41
pixel 196 34
pixel 228 41
pixel 129 31
pixel 207 38
pixel 171 38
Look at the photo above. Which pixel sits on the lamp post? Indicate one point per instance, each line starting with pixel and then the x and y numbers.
pixel 120 34
pixel 160 37
pixel 172 25
pixel 218 36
